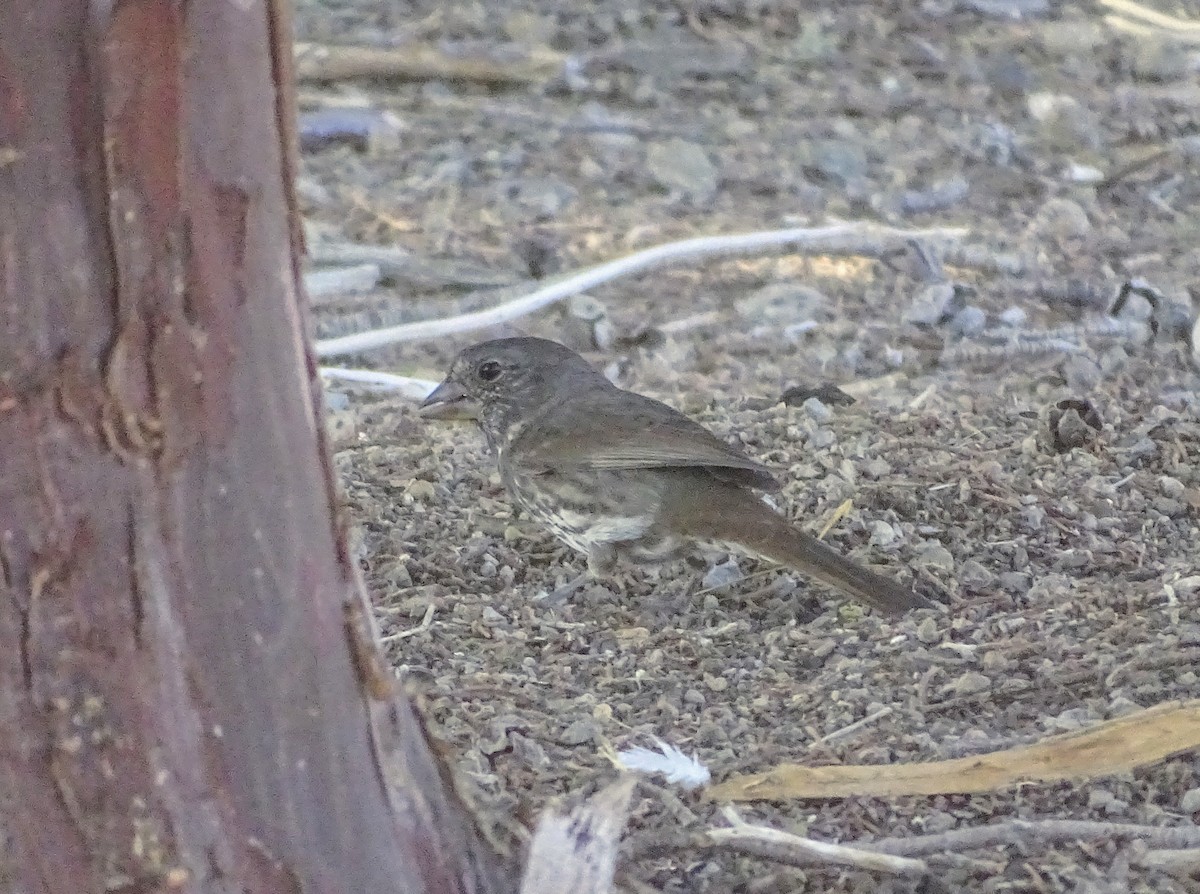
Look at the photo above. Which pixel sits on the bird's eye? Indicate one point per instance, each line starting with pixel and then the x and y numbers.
pixel 489 371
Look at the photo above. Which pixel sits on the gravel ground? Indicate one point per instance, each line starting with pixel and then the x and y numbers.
pixel 1014 441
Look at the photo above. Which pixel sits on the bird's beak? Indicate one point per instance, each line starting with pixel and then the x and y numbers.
pixel 448 401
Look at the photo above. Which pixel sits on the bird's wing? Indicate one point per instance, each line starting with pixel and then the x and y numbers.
pixel 623 430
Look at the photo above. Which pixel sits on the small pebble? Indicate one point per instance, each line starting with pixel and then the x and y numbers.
pixel 1190 802
pixel 1171 487
pixel 715 683
pixel 928 632
pixel 934 555
pixel 969 321
pixel 934 304
pixel 580 732
pixel 722 575
pixel 822 439
pixel 1014 316
pixel 971 683
pixel 684 170
pixel 882 534
pixel 817 410
pixel 420 489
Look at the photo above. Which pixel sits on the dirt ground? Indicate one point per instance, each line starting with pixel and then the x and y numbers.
pixel 1067 546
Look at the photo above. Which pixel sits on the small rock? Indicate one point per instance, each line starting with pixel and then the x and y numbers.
pixel 1014 581
pixel 1070 423
pixel 937 821
pixel 397 574
pixel 827 392
pixel 1190 802
pixel 822 439
pixel 1158 60
pixel 938 197
pixel 580 732
pixel 934 555
pixel 1083 373
pixel 1066 124
pixel 715 683
pixel 1171 487
pixel 1061 219
pixel 934 304
pixel 975 575
pixel 529 751
pixel 928 632
pixel 1073 719
pixel 1033 518
pixel 883 534
pixel 816 410
pixel 421 490
pixel 841 161
pixel 969 321
pixel 994 662
pixel 544 198
pixel 878 468
pixel 1086 174
pixel 1099 799
pixel 781 303
pixel 588 324
pixel 970 683
pixel 722 575
pixel 684 170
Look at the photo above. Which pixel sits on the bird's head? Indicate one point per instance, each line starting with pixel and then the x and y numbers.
pixel 508 378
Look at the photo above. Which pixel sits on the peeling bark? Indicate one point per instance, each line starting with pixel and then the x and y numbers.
pixel 183 704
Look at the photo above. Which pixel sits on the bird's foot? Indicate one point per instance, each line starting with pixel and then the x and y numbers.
pixel 565 591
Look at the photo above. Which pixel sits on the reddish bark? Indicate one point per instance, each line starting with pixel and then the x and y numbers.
pixel 183 703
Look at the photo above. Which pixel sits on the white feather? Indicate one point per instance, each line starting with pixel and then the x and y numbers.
pixel 676 766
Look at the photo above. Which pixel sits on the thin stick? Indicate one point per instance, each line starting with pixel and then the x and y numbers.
pixel 868 240
pixel 416 389
pixel 1043 832
pixel 1153 17
pixel 426 623
pixel 323 62
pixel 794 850
pixel 1170 859
pixel 853 727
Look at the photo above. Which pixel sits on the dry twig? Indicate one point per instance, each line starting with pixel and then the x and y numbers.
pixel 795 850
pixel 1035 832
pixel 321 62
pixel 1143 21
pixel 868 240
pixel 1115 746
pixel 414 389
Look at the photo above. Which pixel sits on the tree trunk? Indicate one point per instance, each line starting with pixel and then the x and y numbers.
pixel 188 697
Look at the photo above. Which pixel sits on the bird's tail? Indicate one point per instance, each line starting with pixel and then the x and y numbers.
pixel 746 522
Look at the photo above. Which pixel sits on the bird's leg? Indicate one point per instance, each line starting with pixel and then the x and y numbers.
pixel 569 589
pixel 601 560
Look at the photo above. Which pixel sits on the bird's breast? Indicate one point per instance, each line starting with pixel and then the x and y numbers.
pixel 582 507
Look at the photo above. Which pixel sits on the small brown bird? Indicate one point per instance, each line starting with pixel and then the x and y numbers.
pixel 615 475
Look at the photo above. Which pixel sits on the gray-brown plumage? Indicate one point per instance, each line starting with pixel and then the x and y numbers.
pixel 616 475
